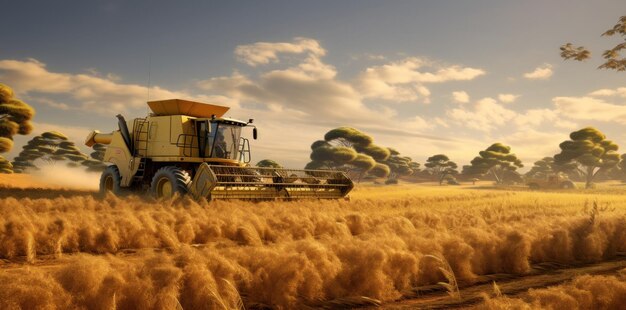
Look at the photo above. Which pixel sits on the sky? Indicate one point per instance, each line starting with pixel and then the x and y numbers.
pixel 423 77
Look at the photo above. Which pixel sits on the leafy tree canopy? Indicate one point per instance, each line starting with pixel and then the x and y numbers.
pixel 268 163
pixel 15 118
pixel 589 149
pixel 5 166
pixel 496 160
pixel 613 60
pixel 441 166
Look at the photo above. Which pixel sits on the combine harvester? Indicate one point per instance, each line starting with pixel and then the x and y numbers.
pixel 188 147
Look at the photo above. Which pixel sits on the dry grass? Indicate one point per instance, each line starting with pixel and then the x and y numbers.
pixel 584 292
pixel 284 254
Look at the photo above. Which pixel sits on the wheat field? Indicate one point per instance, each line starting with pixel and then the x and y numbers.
pixel 66 248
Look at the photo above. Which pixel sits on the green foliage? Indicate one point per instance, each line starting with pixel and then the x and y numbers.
pixel 377 152
pixel 351 150
pixel 497 159
pixel 339 151
pixel 541 168
pixel 6 144
pixel 363 162
pixel 380 170
pixel 5 166
pixel 348 136
pixel 613 60
pixel 6 93
pixel 268 163
pixel 589 150
pixel 54 136
pixel 440 166
pixel 398 166
pixel 15 116
pixel 51 147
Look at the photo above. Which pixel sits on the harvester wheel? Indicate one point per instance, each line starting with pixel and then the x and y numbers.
pixel 110 180
pixel 169 180
pixel 567 185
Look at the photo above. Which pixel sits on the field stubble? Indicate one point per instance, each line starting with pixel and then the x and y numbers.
pixel 74 250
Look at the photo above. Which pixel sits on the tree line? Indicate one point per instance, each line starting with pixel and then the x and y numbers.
pixel 586 156
pixel 48 148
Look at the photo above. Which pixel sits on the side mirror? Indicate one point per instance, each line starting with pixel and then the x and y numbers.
pixel 254 133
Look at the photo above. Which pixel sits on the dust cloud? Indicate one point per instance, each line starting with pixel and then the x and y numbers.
pixel 67 177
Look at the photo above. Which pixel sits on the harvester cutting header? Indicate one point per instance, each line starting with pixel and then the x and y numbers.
pixel 190 147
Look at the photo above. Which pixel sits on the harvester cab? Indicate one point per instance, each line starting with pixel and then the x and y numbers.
pixel 189 147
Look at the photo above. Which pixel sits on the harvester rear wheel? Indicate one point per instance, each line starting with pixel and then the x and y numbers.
pixel 168 181
pixel 110 180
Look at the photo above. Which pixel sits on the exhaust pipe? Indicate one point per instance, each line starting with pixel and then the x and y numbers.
pixel 125 133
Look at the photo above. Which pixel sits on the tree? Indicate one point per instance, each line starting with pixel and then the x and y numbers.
pixel 346 148
pixel 268 163
pixel 51 147
pixel 590 151
pixel 354 151
pixel 5 166
pixel 541 168
pixel 546 166
pixel 380 170
pixel 440 166
pixel 497 160
pixel 15 116
pixel 348 136
pixel 398 166
pixel 612 57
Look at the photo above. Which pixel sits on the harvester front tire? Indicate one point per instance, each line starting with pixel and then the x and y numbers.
pixel 110 180
pixel 567 185
pixel 168 181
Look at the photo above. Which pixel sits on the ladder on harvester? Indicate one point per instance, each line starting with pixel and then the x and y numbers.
pixel 140 143
pixel 140 137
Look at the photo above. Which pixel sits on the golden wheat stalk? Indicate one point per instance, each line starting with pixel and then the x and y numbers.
pixel 452 287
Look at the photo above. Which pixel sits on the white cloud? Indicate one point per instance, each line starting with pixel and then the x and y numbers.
pixel 542 72
pixel 266 52
pixel 460 97
pixel 533 118
pixel 485 115
pixel 531 145
pixel 507 98
pixel 92 93
pixel 605 92
pixel 589 108
pixel 405 80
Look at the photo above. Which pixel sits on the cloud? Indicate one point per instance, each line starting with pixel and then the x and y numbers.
pixel 460 97
pixel 485 115
pixel 265 52
pixel 507 98
pixel 589 108
pixel 605 92
pixel 533 118
pixel 542 72
pixel 89 92
pixel 531 145
pixel 310 88
pixel 405 80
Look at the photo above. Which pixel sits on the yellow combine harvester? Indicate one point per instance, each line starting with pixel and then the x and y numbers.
pixel 190 147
